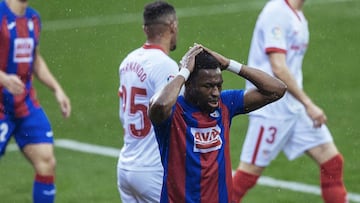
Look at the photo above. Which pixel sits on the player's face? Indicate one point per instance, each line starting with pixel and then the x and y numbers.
pixel 206 89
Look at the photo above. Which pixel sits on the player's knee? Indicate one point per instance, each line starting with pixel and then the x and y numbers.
pixel 45 166
pixel 250 168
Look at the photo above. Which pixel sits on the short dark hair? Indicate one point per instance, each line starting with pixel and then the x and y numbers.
pixel 155 12
pixel 204 60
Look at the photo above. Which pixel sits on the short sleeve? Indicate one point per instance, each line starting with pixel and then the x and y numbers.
pixel 234 100
pixel 164 74
pixel 274 32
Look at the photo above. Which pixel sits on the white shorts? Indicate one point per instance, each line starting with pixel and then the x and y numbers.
pixel 266 137
pixel 139 186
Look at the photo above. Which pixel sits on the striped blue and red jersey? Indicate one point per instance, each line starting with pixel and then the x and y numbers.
pixel 195 151
pixel 19 36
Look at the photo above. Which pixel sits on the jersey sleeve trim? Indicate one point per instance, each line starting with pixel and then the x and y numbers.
pixel 274 50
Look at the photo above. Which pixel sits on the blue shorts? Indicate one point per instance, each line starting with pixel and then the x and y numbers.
pixel 34 128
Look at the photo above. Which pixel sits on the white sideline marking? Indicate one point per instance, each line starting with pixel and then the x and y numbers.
pixel 87 148
pixel 263 180
pixel 119 19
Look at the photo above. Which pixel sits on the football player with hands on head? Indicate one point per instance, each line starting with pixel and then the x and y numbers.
pixel 193 129
pixel 143 72
pixel 21 115
pixel 294 124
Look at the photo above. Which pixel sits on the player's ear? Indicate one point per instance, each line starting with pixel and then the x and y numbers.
pixel 145 29
pixel 173 27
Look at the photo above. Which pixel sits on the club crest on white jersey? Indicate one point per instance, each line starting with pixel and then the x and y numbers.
pixel 206 139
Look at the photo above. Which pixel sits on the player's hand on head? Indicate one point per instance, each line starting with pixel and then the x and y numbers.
pixel 14 84
pixel 188 60
pixel 224 62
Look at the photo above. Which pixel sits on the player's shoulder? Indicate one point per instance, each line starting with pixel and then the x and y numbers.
pixel 31 12
pixel 275 8
pixel 159 58
pixel 3 8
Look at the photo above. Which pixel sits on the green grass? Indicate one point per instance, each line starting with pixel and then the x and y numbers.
pixel 86 59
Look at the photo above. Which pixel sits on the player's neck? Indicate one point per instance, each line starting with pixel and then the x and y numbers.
pixel 296 4
pixel 164 47
pixel 17 7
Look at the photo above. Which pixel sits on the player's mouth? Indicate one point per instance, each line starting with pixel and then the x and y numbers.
pixel 213 103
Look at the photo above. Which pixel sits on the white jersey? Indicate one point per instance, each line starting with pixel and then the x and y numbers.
pixel 274 32
pixel 142 73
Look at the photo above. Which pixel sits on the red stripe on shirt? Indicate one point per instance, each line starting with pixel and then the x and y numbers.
pixel 209 164
pixel 177 148
pixel 23 70
pixel 209 176
pixel 4 55
pixel 33 97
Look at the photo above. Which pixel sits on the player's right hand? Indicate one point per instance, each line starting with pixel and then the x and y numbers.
pixel 188 60
pixel 13 84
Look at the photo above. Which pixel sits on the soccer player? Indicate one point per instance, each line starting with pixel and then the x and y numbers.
pixel 193 130
pixel 142 73
pixel 21 115
pixel 294 124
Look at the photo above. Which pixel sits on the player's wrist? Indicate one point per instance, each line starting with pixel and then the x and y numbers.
pixel 184 72
pixel 234 66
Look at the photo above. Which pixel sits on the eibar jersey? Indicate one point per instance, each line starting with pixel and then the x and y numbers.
pixel 274 32
pixel 142 73
pixel 19 36
pixel 195 153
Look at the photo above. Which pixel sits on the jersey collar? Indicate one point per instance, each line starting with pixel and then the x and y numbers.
pixel 297 15
pixel 153 46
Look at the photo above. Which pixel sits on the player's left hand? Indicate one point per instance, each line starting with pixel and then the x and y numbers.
pixel 64 102
pixel 224 62
pixel 317 115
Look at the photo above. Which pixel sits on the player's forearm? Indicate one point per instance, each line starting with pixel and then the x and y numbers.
pixel 269 86
pixel 162 102
pixel 293 87
pixel 44 75
pixel 281 71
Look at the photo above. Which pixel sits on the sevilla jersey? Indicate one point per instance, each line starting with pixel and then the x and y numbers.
pixel 195 153
pixel 19 36
pixel 142 73
pixel 281 29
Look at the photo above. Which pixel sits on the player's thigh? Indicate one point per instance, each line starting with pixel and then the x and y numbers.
pixel 34 136
pixel 149 185
pixel 143 186
pixel 6 129
pixel 306 137
pixel 41 155
pixel 32 129
pixel 124 188
pixel 265 138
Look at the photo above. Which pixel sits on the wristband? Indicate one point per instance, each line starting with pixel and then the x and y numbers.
pixel 234 66
pixel 184 72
